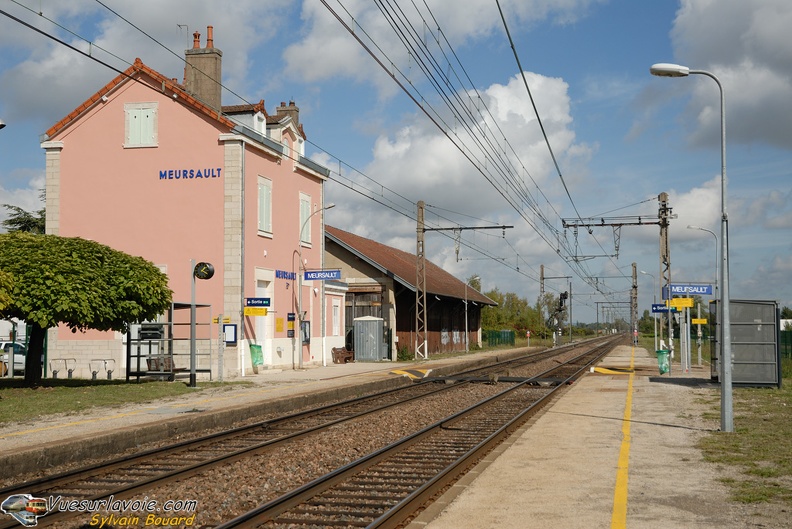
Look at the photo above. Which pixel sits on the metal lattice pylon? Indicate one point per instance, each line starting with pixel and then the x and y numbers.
pixel 420 288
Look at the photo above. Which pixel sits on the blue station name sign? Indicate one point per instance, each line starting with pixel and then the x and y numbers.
pixel 322 275
pixel 688 290
pixel 190 174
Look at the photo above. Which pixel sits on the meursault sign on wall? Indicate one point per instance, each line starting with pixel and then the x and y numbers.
pixel 190 174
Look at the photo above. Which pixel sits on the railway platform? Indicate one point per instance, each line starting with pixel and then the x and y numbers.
pixel 49 441
pixel 616 449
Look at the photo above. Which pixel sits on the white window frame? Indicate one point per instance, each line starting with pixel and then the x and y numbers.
pixel 141 125
pixel 305 214
pixel 264 195
pixel 336 317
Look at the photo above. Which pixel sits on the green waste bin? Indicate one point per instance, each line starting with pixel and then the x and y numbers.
pixel 256 356
pixel 662 361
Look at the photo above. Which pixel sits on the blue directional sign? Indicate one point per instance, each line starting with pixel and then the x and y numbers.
pixel 659 307
pixel 687 290
pixel 322 275
pixel 257 302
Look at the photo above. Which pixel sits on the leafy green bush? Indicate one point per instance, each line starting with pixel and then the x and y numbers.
pixel 403 354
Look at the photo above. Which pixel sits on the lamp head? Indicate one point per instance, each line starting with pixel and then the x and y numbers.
pixel 330 205
pixel 664 69
pixel 2 124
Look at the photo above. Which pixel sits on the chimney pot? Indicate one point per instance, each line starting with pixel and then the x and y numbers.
pixel 203 71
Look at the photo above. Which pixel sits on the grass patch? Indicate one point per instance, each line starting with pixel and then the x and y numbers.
pixel 760 448
pixel 21 404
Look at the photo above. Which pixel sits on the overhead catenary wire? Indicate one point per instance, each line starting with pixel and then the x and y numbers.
pixel 435 118
pixel 388 204
pixel 395 206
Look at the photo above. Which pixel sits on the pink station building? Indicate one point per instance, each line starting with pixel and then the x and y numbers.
pixel 162 170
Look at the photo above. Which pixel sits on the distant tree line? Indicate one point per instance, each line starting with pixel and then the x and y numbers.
pixel 545 315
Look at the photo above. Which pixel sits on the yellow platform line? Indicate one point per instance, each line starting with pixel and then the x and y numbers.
pixel 619 514
pixel 613 370
pixel 415 374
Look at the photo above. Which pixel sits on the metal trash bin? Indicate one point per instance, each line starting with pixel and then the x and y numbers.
pixel 662 361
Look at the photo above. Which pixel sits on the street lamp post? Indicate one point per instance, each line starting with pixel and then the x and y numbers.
pixel 727 413
pixel 691 227
pixel 300 268
pixel 467 335
pixel 654 300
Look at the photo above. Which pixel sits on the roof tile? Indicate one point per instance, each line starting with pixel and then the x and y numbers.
pixel 403 265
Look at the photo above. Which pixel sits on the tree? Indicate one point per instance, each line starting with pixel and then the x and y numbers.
pixel 6 284
pixel 646 325
pixel 786 313
pixel 21 220
pixel 79 283
pixel 492 317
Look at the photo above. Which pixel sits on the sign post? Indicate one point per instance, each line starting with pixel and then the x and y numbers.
pixel 256 306
pixel 204 271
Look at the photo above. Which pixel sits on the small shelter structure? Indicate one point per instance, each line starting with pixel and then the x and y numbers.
pixel 381 281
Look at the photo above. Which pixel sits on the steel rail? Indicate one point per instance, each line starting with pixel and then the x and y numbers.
pixel 404 507
pixel 72 479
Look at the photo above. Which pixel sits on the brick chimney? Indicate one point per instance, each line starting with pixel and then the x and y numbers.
pixel 203 70
pixel 292 111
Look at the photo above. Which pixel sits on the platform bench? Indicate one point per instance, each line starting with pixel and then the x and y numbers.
pixel 341 355
pixel 164 365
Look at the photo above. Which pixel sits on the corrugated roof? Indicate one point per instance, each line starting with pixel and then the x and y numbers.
pixel 402 266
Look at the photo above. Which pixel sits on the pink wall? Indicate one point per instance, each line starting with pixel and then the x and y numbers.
pixel 115 196
pixel 281 249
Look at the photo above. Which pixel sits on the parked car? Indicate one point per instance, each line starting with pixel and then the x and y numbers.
pixel 19 352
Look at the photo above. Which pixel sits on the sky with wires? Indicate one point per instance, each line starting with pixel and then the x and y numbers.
pixel 523 113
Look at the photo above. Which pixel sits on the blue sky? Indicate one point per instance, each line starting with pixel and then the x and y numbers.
pixel 619 136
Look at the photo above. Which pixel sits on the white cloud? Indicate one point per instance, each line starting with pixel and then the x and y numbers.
pixel 745 44
pixel 700 206
pixel 27 198
pixel 27 87
pixel 325 52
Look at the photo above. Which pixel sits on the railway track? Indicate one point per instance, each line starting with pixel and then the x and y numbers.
pixel 387 487
pixel 130 476
pixel 126 476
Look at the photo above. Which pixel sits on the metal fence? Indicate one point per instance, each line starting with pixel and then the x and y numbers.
pixel 785 344
pixel 503 337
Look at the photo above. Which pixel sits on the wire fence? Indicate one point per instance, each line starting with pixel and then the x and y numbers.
pixel 501 337
pixel 785 344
